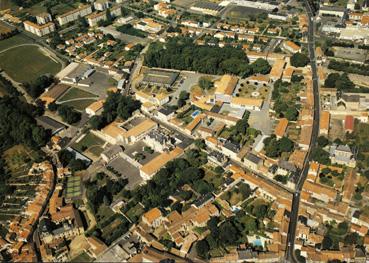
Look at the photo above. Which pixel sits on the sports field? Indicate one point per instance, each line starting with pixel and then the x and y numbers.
pixel 73 189
pixel 26 63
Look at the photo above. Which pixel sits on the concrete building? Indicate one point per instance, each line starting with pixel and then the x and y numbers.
pixel 148 170
pixel 43 18
pixel 94 18
pixel 343 155
pixel 39 30
pixel 148 25
pixel 331 11
pixel 101 5
pixel 74 15
pixel 291 46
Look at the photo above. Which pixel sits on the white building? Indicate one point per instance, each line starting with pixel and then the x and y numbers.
pixel 39 30
pixel 101 5
pixel 74 14
pixel 94 18
pixel 43 18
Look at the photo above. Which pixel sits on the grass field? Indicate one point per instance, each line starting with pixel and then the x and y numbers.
pixel 92 143
pixel 83 257
pixel 135 212
pixel 26 63
pixel 79 105
pixel 15 40
pixel 75 93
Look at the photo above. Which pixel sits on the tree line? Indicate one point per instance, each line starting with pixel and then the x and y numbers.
pixel 349 67
pixel 182 54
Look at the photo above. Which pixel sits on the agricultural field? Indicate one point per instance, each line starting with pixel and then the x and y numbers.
pixel 18 159
pixel 6 4
pixel 25 63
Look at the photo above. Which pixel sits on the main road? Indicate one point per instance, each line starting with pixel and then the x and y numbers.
pixel 290 254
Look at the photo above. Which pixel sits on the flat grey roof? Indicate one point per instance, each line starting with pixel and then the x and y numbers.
pixel 50 124
pixel 208 5
pixel 158 76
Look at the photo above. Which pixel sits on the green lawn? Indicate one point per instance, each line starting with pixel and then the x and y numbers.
pixel 90 141
pixel 215 179
pixel 83 257
pixel 75 93
pixel 26 63
pixel 79 105
pixel 15 40
pixel 135 212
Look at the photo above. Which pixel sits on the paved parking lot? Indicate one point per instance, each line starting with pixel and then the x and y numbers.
pixel 261 120
pixel 127 170
pixel 138 147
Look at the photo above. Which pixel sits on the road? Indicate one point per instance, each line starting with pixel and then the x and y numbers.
pixel 290 255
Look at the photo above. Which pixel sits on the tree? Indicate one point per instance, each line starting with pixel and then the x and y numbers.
pixel 285 145
pixel 37 87
pixel 205 83
pixel 228 234
pixel 202 249
pixel 77 165
pixel 344 83
pixel 182 54
pixel 299 60
pixel 245 190
pixel 183 96
pixel 200 144
pixel 322 141
pixel 260 211
pixel 327 242
pixel 65 157
pixel 219 170
pixel 68 114
pixel 18 124
pixel 127 106
pixel 330 81
pixel 320 155
pixel 52 106
pixel 291 113
pixel 261 66
pixel 281 178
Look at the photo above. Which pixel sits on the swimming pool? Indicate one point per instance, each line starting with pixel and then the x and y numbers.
pixel 257 243
pixel 195 113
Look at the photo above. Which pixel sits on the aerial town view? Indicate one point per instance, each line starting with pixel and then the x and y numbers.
pixel 184 131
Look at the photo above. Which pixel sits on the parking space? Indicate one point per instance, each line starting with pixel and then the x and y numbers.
pixel 127 170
